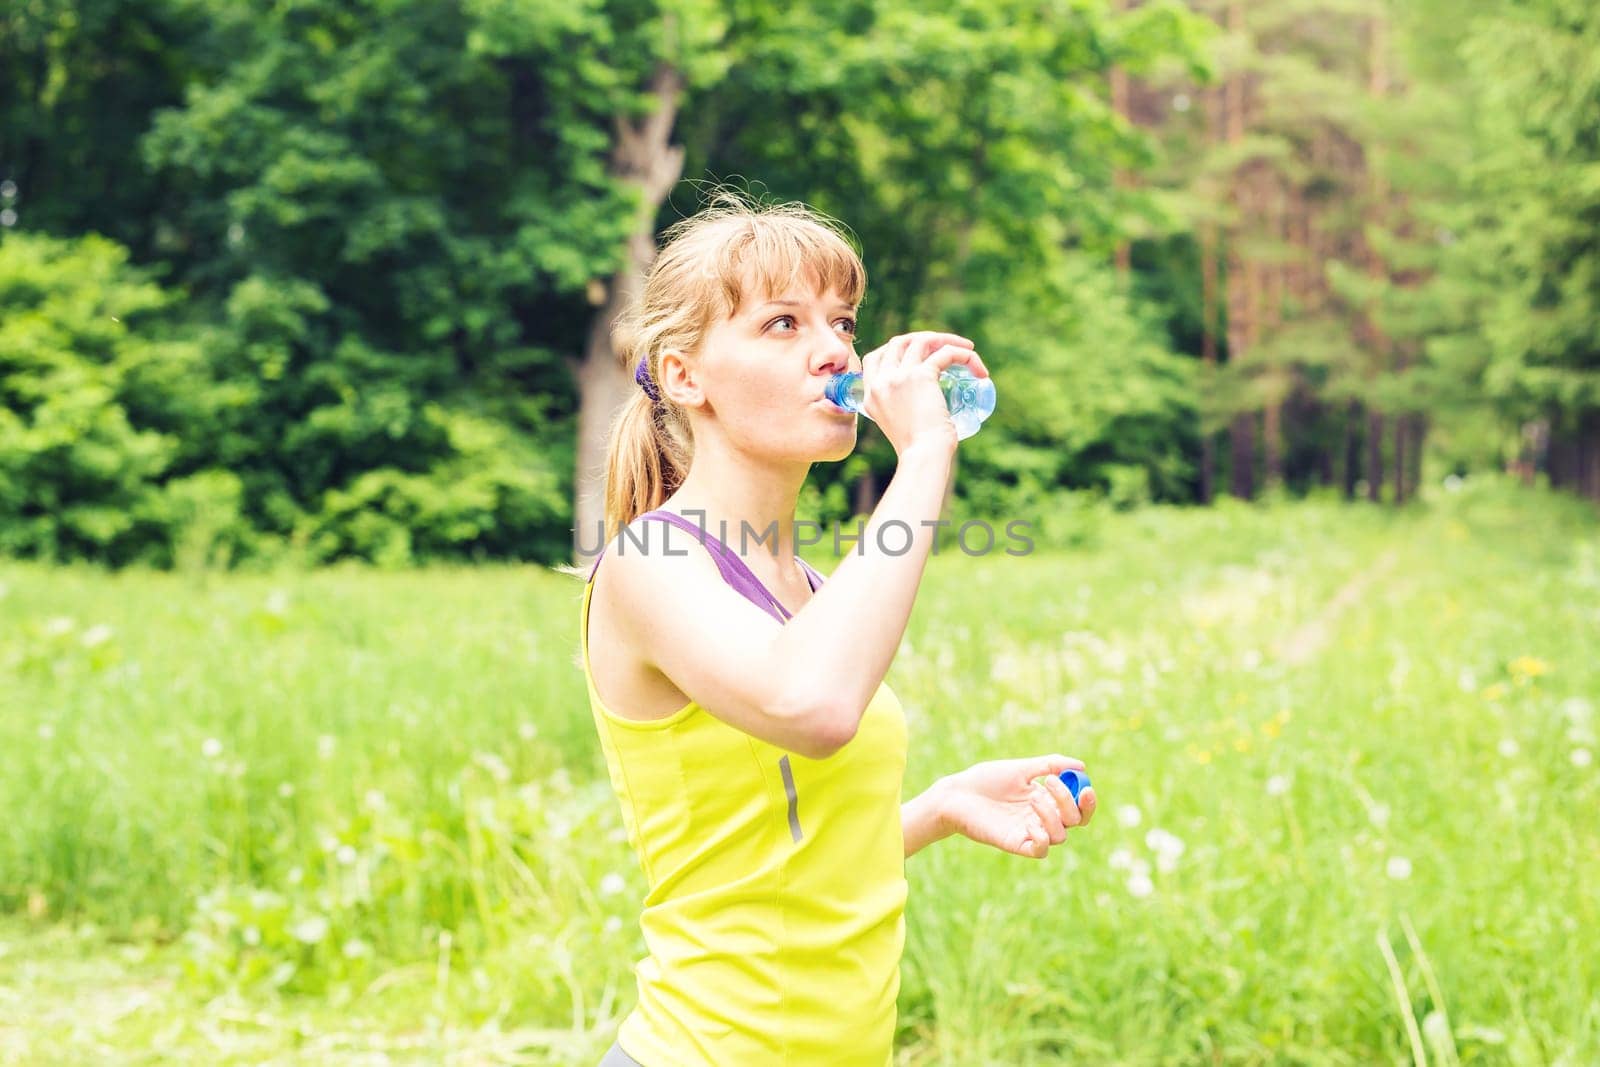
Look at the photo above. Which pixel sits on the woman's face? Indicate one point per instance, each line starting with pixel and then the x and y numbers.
pixel 763 370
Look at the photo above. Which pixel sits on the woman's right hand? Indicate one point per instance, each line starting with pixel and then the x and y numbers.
pixel 902 386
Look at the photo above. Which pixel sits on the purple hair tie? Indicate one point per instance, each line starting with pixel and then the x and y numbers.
pixel 641 375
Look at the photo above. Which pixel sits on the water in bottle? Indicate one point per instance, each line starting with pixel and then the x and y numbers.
pixel 970 398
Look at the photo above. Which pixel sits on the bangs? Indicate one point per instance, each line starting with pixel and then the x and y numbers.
pixel 768 255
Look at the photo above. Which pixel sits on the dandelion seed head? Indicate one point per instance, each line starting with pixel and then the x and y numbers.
pixel 1129 815
pixel 1398 868
pixel 612 884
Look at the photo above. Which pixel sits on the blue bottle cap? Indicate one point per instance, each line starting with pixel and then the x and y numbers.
pixel 1075 781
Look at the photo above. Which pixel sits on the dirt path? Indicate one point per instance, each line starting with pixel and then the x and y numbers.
pixel 1312 635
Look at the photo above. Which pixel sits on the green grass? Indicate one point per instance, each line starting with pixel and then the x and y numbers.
pixel 1346 811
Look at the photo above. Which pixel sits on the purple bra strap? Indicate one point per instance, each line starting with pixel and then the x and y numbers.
pixel 733 569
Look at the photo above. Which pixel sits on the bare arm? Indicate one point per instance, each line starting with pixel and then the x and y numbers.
pixel 802 686
pixel 923 820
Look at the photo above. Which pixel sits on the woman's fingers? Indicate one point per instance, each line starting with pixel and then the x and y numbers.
pixel 1049 814
pixel 1066 807
pixel 1086 804
pixel 919 345
pixel 945 355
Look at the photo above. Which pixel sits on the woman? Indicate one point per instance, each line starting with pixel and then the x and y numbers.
pixel 755 749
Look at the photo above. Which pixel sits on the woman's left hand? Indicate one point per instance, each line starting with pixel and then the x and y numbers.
pixel 1017 805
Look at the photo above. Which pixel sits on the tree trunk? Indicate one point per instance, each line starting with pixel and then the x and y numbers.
pixel 1419 438
pixel 1208 357
pixel 1378 87
pixel 1402 456
pixel 1352 450
pixel 642 153
pixel 1241 297
pixel 1588 479
pixel 1374 456
pixel 1242 456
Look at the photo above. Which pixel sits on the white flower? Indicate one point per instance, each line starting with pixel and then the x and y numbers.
pixel 286 790
pixel 1398 868
pixel 373 800
pixel 97 635
pixel 1379 814
pixel 325 744
pixel 58 626
pixel 613 924
pixel 612 884
pixel 1121 860
pixel 1582 757
pixel 211 748
pixel 46 731
pixel 1163 842
pixel 277 603
pixel 251 935
pixel 1277 785
pixel 346 855
pixel 494 765
pixel 1509 748
pixel 1140 885
pixel 1452 483
pixel 527 731
pixel 1467 681
pixel 310 931
pixel 355 948
pixel 1129 815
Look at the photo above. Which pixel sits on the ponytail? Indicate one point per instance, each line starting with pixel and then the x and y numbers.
pixel 647 457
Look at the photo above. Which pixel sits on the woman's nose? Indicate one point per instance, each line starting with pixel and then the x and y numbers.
pixel 836 356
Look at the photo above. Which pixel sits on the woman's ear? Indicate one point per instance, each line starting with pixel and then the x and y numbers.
pixel 678 380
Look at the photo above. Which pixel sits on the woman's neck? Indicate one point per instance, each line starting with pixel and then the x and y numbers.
pixel 750 508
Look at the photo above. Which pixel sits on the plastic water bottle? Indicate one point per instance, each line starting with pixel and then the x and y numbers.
pixel 970 398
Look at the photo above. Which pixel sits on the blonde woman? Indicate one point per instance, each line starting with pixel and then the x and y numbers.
pixel 754 747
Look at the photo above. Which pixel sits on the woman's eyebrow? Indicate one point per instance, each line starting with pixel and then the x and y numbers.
pixel 798 304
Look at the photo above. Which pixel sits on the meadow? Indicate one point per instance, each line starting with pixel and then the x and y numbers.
pixel 1344 755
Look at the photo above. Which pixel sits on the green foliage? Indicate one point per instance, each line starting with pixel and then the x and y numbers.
pixel 82 460
pixel 404 813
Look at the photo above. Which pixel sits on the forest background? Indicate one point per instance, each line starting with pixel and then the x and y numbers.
pixel 320 281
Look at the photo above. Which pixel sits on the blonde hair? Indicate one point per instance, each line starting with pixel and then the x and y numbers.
pixel 701 272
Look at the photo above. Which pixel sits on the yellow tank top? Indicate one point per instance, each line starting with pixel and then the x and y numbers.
pixel 774 916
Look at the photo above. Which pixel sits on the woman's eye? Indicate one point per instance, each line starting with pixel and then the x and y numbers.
pixel 848 326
